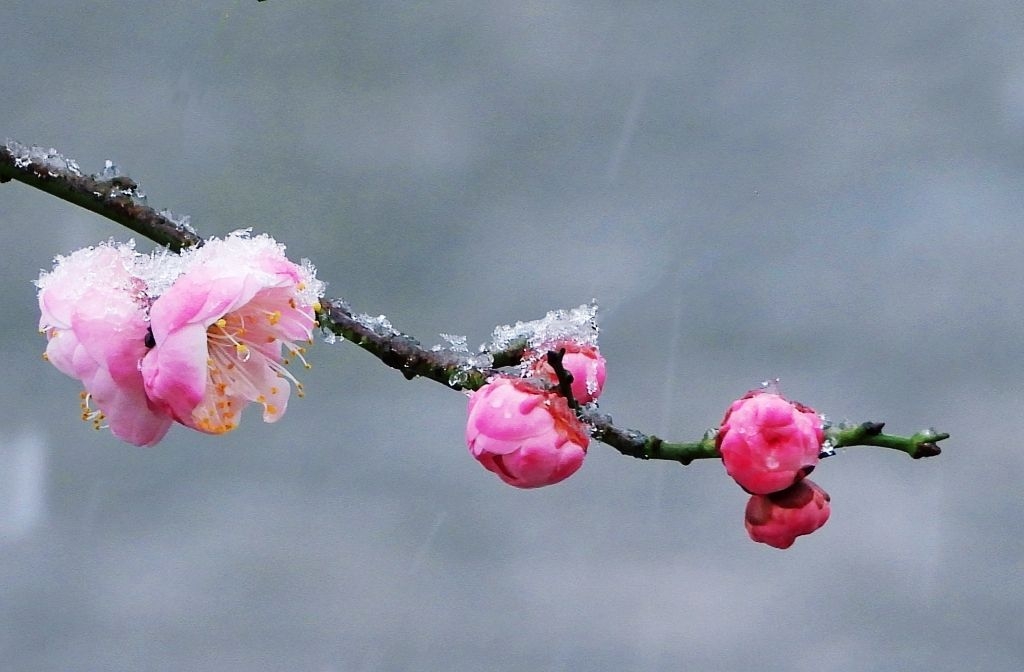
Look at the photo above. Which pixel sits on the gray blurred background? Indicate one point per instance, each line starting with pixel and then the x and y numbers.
pixel 828 193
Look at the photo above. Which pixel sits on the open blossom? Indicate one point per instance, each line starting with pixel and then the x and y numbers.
pixel 768 443
pixel 583 361
pixel 527 436
pixel 93 312
pixel 220 330
pixel 779 518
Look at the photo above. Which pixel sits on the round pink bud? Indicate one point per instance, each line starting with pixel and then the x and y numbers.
pixel 768 443
pixel 584 362
pixel 527 436
pixel 779 518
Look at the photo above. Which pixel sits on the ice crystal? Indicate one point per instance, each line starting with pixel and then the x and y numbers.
pixel 593 417
pixel 458 378
pixel 110 170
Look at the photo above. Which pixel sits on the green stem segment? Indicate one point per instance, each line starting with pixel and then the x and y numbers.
pixel 633 443
pixel 921 444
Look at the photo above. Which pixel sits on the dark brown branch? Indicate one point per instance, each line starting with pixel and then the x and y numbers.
pixel 116 198
pixel 563 376
pixel 405 354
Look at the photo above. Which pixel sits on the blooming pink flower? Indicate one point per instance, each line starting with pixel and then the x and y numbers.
pixel 527 436
pixel 93 312
pixel 584 362
pixel 779 518
pixel 220 329
pixel 768 443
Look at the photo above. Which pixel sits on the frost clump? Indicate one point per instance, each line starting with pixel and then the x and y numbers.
pixel 159 269
pixel 51 158
pixel 379 325
pixel 463 362
pixel 577 324
pixel 456 343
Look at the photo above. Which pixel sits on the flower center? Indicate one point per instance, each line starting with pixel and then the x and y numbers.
pixel 245 364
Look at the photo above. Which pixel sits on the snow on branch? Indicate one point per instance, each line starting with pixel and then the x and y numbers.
pixel 110 194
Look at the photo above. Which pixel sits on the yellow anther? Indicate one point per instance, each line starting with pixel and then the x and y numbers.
pixel 221 323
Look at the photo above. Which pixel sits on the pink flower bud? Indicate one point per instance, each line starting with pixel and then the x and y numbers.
pixel 768 443
pixel 527 436
pixel 584 362
pixel 779 518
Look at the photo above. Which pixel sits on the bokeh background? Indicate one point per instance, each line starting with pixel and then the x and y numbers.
pixel 828 193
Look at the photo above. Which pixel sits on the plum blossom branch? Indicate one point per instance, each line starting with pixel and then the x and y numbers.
pixel 120 199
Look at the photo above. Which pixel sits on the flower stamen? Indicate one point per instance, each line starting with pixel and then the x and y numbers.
pixel 89 414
